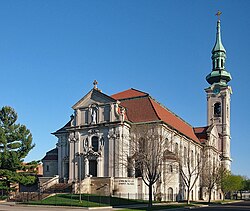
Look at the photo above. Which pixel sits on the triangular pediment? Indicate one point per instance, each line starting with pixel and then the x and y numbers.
pixel 94 96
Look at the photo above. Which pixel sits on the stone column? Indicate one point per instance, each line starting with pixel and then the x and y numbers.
pixel 60 156
pixel 71 161
pixel 99 167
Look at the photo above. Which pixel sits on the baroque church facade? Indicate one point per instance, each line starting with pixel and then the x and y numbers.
pixel 93 143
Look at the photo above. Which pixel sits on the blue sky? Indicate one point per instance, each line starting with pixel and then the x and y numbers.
pixel 51 51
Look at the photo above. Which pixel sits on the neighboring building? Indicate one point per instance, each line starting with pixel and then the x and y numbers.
pixel 92 144
pixel 35 169
pixel 50 163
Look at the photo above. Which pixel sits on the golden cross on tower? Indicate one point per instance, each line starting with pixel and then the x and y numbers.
pixel 95 84
pixel 218 14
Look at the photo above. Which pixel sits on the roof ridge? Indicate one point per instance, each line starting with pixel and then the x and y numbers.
pixel 131 98
pixel 153 107
pixel 140 91
pixel 163 106
pixel 133 93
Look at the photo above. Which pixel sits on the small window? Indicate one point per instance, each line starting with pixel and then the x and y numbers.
pixel 222 63
pixel 47 168
pixel 170 168
pixel 217 109
pixel 217 63
pixel 95 144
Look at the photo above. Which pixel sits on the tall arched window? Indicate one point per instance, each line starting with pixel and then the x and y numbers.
pixel 185 156
pixel 217 109
pixel 167 143
pixel 192 158
pixel 170 194
pixel 176 149
pixel 95 144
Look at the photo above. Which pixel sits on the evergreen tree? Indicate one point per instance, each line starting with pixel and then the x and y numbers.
pixel 15 144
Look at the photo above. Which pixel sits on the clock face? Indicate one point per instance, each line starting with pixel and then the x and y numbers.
pixel 216 90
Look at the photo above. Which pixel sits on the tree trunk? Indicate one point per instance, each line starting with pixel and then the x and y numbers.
pixel 188 196
pixel 209 195
pixel 150 191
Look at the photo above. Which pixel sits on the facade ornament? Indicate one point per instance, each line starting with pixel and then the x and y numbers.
pixel 123 113
pixel 93 131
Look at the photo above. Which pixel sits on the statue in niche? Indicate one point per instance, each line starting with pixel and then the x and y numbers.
pixel 86 145
pixel 93 113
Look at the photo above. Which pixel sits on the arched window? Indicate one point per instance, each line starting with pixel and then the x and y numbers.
pixel 192 158
pixel 217 63
pixel 142 145
pixel 95 143
pixel 176 149
pixel 185 156
pixel 170 194
pixel 167 143
pixel 217 109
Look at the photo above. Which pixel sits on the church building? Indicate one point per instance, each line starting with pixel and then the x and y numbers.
pixel 98 138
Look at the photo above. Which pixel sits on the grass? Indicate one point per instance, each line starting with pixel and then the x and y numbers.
pixel 67 200
pixel 99 201
pixel 87 200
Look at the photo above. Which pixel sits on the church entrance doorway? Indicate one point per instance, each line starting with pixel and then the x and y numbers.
pixel 93 168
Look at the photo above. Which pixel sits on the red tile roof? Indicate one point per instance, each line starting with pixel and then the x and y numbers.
pixel 201 133
pixel 174 121
pixel 139 110
pixel 199 130
pixel 130 93
pixel 140 107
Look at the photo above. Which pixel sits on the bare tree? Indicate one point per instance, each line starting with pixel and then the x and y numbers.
pixel 190 169
pixel 147 154
pixel 212 175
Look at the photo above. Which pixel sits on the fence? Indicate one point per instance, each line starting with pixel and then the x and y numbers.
pixel 85 200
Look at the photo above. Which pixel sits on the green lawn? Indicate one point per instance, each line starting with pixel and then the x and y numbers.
pixel 99 201
pixel 86 200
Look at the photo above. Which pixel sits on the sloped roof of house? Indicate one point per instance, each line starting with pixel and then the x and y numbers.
pixel 51 155
pixel 140 107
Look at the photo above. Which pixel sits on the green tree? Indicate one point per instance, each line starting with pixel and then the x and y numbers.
pixel 232 183
pixel 246 183
pixel 15 144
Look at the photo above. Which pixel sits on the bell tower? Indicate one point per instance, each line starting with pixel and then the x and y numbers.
pixel 218 97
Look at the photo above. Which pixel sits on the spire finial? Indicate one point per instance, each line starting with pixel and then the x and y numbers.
pixel 219 74
pixel 95 84
pixel 218 14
